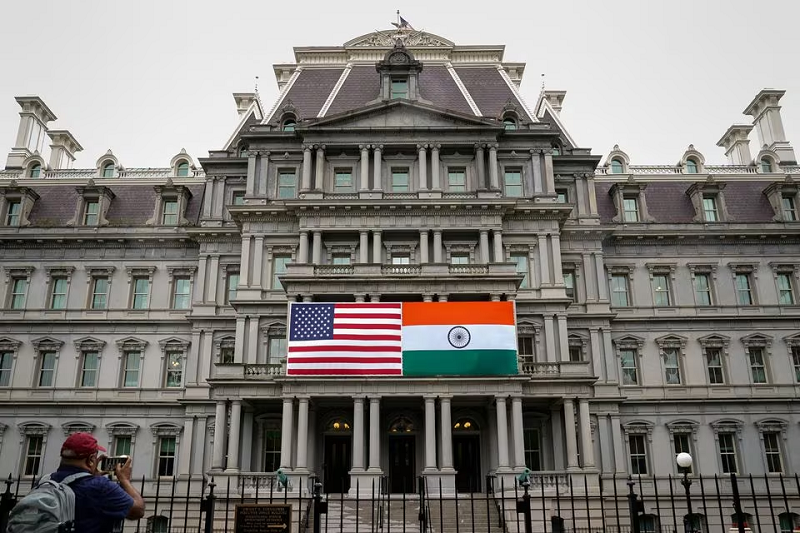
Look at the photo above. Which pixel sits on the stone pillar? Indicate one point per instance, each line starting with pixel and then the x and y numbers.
pixel 494 181
pixel 430 433
pixel 246 459
pixel 258 261
pixel 307 298
pixel 360 297
pixel 604 463
pixel 244 266
pixel 363 246
pixel 602 287
pixel 480 166
pixel 549 178
pixel 302 256
pixel 423 246
pixel 495 297
pixel 517 428
pixel 619 448
pixel 199 293
pixel 437 246
pixel 442 297
pixel 484 246
pixel 447 433
pixel 536 171
pixel 364 182
pixel 374 298
pixel 587 449
pixel 502 434
pixel 591 279
pixel 563 337
pixel 592 195
pixel 251 355
pixel 558 273
pixel 209 197
pixel 550 339
pixel 569 430
pixel 240 336
pixel 316 253
pixel 213 276
pixel 320 173
pixel 556 425
pixel 302 434
pixel 499 256
pixel 435 181
pixel 377 184
pixel 305 185
pixel 597 359
pixel 427 297
pixel 376 246
pixel 220 426
pixel 233 436
pixel 358 434
pixel 544 262
pixel 287 434
pixel 250 188
pixel 423 167
pixel 374 434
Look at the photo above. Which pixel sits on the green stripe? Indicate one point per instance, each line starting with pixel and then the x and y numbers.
pixel 459 362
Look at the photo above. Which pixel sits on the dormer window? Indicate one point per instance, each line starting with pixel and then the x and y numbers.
pixel 289 124
pixel 171 202
pixel 108 170
pixel 91 211
pixel 399 88
pixel 509 124
pixel 169 212
pixel 766 165
pixel 182 170
pixel 709 201
pixel 789 208
pixel 691 166
pixel 399 73
pixel 35 171
pixel 617 167
pixel 13 209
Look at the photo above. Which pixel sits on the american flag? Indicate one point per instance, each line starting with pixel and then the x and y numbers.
pixel 345 339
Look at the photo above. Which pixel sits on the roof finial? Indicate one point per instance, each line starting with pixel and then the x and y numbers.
pixel 402 24
pixel 256 89
pixel 542 82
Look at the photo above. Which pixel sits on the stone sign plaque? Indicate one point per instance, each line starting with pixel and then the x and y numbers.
pixel 263 518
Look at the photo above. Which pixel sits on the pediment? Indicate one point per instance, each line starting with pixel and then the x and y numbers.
pixel 400 114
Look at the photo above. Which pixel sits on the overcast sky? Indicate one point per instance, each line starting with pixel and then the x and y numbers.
pixel 149 77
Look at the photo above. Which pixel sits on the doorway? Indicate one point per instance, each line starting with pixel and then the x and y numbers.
pixel 467 462
pixel 337 460
pixel 401 464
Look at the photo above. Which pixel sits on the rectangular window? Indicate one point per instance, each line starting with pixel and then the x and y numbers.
pixel 279 263
pixel 6 358
pixel 710 208
pixel 399 180
pixel 785 289
pixel 744 293
pixel 277 349
pixel 341 259
pixel 169 214
pixel 166 456
pixel 628 362
pixel 227 354
pixel 727 452
pixel 342 180
pixel 682 444
pixel 237 198
pixel 789 208
pixel 180 292
pixel 796 362
pixel 525 348
pixel 661 292
pixel 757 369
pixel 512 182
pixel 561 196
pixel 34 448
pixel 174 371
pixel 672 369
pixel 521 262
pixel 90 213
pixel 702 288
pixel 47 369
pixel 772 449
pixel 401 260
pixel 122 445
pixel 19 286
pixel 130 370
pixel 575 354
pixel 58 298
pixel 456 179
pixel 630 209
pixel 89 369
pixel 100 292
pixel 399 88
pixel 716 375
pixel 533 448
pixel 272 447
pixel 638 447
pixel 287 184
pixel 569 284
pixel 141 290
pixel 619 290
pixel 459 259
pixel 231 286
pixel 13 209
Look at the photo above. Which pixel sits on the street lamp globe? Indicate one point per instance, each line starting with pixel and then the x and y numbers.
pixel 684 460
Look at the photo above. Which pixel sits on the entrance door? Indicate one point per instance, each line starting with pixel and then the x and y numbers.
pixel 338 459
pixel 467 462
pixel 401 464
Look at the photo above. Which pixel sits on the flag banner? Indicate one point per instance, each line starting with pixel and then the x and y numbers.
pixel 402 339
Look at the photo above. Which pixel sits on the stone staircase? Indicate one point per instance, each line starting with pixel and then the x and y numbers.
pixel 464 515
pixel 349 516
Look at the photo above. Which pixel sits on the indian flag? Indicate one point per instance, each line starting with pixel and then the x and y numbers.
pixel 459 339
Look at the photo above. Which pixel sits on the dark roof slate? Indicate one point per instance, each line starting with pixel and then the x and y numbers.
pixel 361 87
pixel 438 86
pixel 311 89
pixel 489 90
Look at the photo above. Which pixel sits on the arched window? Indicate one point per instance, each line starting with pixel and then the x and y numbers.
pixel 556 150
pixel 509 124
pixel 36 170
pixel 339 424
pixel 289 124
pixel 108 170
pixel 616 166
pixel 691 166
pixel 183 169
pixel 766 165
pixel 157 524
pixel 466 424
pixel 401 425
pixel 242 150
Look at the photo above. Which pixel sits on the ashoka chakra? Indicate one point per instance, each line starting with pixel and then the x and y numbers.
pixel 459 337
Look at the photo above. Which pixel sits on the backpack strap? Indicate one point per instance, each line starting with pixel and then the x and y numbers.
pixel 74 477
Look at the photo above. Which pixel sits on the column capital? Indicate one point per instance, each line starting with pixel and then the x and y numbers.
pixel 534 151
pixel 437 231
pixel 303 398
pixel 377 147
pixel 376 231
pixel 500 397
pixel 436 146
pixel 484 232
pixel 359 397
pixel 373 398
pixel 492 146
pixel 307 147
pixel 516 397
pixel 363 147
pixel 422 147
pixel 423 231
pixel 319 147
pixel 431 397
pixel 480 146
pixel 445 397
pixel 287 399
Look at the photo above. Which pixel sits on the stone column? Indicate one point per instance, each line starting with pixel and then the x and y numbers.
pixel 447 433
pixel 220 427
pixel 374 298
pixel 619 448
pixel 480 166
pixel 550 339
pixel 302 256
pixel 376 246
pixel 377 184
pixel 544 262
pixel 251 355
pixel 213 276
pixel 427 297
pixel 558 273
pixel 240 336
pixel 437 246
pixel 199 293
pixel 374 434
pixel 435 181
pixel 484 246
pixel 364 182
pixel 563 337
pixel 423 246
pixel 591 194
pixel 549 178
pixel 316 253
pixel 258 261
pixel 569 430
pixel 302 434
pixel 494 181
pixel 502 434
pixel 233 436
pixel 423 167
pixel 442 297
pixel 556 424
pixel 591 279
pixel 287 434
pixel 320 173
pixel 605 455
pixel 209 195
pixel 244 267
pixel 250 187
pixel 246 459
pixel 517 428
pixel 358 434
pixel 430 433
pixel 602 287
pixel 597 359
pixel 363 246
pixel 499 256
pixel 495 296
pixel 305 186
pixel 587 449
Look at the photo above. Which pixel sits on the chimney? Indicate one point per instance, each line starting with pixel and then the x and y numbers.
pixel 243 102
pixel 737 145
pixel 556 99
pixel 63 149
pixel 766 115
pixel 33 121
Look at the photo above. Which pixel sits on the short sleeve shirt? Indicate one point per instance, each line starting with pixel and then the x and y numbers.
pixel 99 502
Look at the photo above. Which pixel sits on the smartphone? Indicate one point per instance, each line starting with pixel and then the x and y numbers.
pixel 108 464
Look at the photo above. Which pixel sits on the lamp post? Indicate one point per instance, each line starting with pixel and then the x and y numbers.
pixel 684 461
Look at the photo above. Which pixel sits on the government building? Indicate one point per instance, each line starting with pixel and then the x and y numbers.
pixel 656 305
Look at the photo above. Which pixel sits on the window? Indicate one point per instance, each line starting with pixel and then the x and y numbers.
pixel 796 362
pixel 183 169
pixel 766 165
pixel 512 182
pixel 6 358
pixel 772 451
pixel 758 370
pixel 13 208
pixel 629 372
pixel 169 215
pixel 174 371
pixel 744 293
pixel 34 448
pixel 122 445
pixel 661 290
pixel 569 284
pixel 727 452
pixel 509 124
pixel 99 293
pixel 710 208
pixel 272 447
pixel 227 354
pixel 691 166
pixel 108 170
pixel 341 259
pixel 277 349
pixel 181 291
pixel 630 209
pixel 399 180
pixel 237 198
pixel 787 522
pixel 90 212
pixel 288 125
pixel 682 444
pixel 279 263
pixel 287 184
pixel 459 259
pixel 619 290
pixel 525 348
pixel 342 180
pixel 166 456
pixel 575 353
pixel 672 370
pixel 141 290
pixel 36 170
pixel 702 288
pixel 647 524
pixel 456 179
pixel 638 449
pixel 399 88
pixel 47 369
pixel 231 286
pixel 401 260
pixel 785 292
pixel 89 365
pixel 533 448
pixel 789 208
pixel 617 167
pixel 58 296
pixel 716 375
pixel 521 262
pixel 562 196
pixel 130 369
pixel 19 287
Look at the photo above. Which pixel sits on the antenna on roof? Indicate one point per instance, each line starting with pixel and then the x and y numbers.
pixel 256 89
pixel 542 83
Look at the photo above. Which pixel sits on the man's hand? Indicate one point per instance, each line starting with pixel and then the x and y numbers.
pixel 123 471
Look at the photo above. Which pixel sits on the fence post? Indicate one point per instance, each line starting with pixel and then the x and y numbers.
pixel 635 506
pixel 737 503
pixel 7 502
pixel 207 507
pixel 320 507
pixel 524 507
pixel 423 519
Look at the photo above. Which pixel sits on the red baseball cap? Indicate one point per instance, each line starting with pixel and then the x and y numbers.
pixel 80 445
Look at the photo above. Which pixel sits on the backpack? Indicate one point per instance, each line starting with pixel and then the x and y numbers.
pixel 48 508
